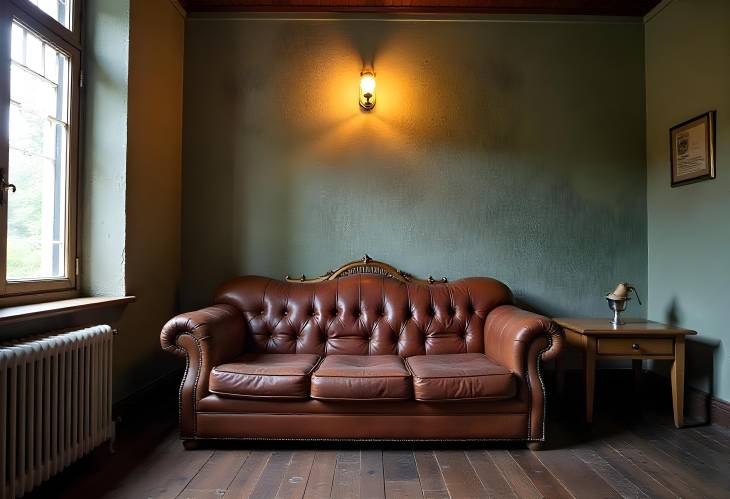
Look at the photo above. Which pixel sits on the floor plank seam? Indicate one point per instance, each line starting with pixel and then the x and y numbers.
pixel 658 465
pixel 196 474
pixel 501 472
pixel 484 486
pixel 557 478
pixel 617 476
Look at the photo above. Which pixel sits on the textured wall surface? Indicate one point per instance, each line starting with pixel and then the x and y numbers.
pixel 131 237
pixel 154 172
pixel 688 73
pixel 510 148
pixel 104 174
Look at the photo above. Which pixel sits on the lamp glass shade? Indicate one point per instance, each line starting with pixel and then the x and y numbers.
pixel 367 90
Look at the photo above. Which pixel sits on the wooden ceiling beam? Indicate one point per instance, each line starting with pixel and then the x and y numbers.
pixel 559 7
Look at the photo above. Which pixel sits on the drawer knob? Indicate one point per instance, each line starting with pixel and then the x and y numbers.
pixel 635 346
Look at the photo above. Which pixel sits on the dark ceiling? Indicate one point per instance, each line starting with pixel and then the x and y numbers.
pixel 575 7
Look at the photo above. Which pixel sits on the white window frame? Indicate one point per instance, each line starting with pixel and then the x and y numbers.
pixel 67 41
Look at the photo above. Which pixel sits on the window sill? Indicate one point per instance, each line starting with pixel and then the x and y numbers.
pixel 20 313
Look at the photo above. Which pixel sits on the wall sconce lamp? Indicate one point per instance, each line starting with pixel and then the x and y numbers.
pixel 367 89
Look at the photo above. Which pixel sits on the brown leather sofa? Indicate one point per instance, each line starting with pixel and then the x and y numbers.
pixel 362 355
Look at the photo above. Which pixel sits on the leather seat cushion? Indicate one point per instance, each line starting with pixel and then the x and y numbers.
pixel 361 377
pixel 270 375
pixel 461 376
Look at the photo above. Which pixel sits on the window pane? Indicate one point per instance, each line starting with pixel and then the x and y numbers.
pixel 34 53
pixel 17 45
pixel 60 10
pixel 38 159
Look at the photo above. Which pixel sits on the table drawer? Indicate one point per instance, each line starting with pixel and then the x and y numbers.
pixel 636 346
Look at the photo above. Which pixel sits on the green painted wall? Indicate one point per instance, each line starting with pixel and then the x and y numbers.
pixel 153 193
pixel 506 147
pixel 688 73
pixel 104 173
pixel 132 178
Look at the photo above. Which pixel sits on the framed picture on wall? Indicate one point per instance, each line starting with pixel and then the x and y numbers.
pixel 692 149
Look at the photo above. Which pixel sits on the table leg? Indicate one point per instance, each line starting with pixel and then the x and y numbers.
pixel 637 366
pixel 590 376
pixel 678 381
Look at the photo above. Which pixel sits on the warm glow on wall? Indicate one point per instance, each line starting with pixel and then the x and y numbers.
pixel 367 90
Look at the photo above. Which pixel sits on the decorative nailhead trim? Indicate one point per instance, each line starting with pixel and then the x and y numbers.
pixel 542 385
pixel 415 440
pixel 185 376
pixel 180 392
pixel 526 375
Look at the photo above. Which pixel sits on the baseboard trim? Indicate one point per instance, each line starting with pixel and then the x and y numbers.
pixel 698 404
pixel 720 412
pixel 158 389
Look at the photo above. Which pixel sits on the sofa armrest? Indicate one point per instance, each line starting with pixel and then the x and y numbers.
pixel 219 329
pixel 206 338
pixel 509 332
pixel 519 340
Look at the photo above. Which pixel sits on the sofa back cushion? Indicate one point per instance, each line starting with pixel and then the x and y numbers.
pixel 364 314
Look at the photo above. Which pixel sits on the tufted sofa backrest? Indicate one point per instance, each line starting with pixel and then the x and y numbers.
pixel 364 314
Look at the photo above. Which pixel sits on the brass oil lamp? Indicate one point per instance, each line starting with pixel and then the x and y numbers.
pixel 617 301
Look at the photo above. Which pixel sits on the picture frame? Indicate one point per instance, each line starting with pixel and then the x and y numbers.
pixel 692 150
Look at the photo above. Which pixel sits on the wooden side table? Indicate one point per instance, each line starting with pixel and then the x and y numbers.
pixel 638 339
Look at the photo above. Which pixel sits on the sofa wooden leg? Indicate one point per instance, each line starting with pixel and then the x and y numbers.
pixel 535 446
pixel 191 444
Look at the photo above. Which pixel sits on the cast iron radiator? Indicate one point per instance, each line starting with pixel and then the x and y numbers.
pixel 55 404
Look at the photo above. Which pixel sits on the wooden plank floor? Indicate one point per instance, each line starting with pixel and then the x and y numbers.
pixel 640 455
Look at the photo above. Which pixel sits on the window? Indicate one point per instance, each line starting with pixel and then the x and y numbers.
pixel 59 10
pixel 39 88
